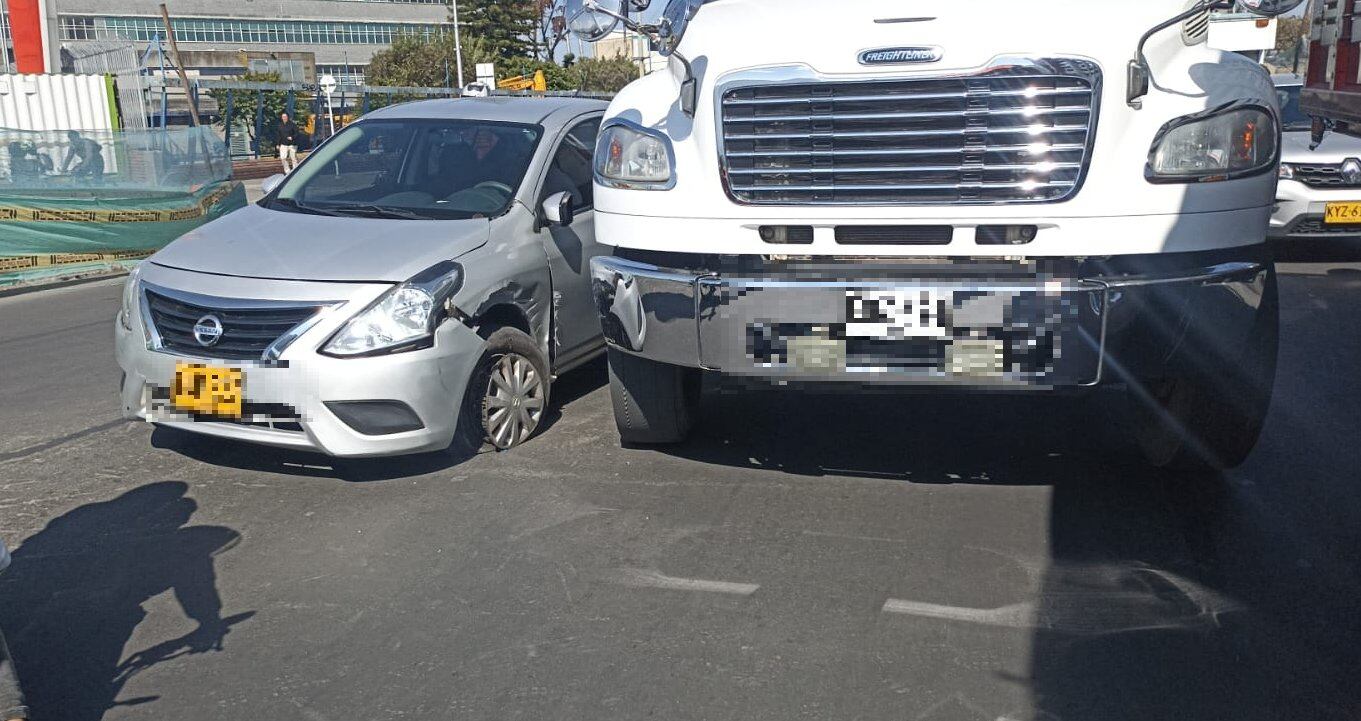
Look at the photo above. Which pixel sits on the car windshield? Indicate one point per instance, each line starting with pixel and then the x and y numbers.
pixel 1292 118
pixel 413 170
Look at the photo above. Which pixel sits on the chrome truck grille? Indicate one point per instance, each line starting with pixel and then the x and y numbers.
pixel 1020 132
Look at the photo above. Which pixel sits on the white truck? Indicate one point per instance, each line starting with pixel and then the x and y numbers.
pixel 988 194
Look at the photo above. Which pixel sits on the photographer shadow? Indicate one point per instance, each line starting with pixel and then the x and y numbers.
pixel 74 596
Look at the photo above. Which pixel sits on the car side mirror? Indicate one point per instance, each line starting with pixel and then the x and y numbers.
pixel 557 209
pixel 271 183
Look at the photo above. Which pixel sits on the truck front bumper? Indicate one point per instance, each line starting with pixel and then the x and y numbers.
pixel 923 324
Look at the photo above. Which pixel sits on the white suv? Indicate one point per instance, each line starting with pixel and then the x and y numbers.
pixel 1319 195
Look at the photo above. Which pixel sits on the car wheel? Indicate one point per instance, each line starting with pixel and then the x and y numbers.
pixel 654 403
pixel 1193 422
pixel 510 389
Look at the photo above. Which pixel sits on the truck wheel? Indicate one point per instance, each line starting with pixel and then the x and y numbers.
pixel 508 394
pixel 1193 422
pixel 654 403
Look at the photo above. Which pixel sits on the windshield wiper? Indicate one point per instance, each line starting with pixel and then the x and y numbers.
pixel 291 203
pixel 380 211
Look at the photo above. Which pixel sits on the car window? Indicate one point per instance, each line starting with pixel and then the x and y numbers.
pixel 570 170
pixel 414 169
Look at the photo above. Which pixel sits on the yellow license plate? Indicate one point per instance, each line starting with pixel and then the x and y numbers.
pixel 1342 213
pixel 207 390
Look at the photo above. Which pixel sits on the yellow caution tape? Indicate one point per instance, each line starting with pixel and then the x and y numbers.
pixel 22 214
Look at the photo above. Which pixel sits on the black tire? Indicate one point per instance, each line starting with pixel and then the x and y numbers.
pixel 1211 419
pixel 478 413
pixel 654 403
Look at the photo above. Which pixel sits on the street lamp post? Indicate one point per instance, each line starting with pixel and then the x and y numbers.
pixel 458 46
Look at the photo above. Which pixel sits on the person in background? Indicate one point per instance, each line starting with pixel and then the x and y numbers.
pixel 12 706
pixel 90 156
pixel 287 141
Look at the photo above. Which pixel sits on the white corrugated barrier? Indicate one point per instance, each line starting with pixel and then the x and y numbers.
pixel 55 102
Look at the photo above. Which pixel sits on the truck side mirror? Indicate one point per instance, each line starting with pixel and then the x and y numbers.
pixel 1270 8
pixel 557 209
pixel 271 183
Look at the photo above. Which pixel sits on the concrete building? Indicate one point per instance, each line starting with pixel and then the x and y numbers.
pixel 342 35
pixel 632 46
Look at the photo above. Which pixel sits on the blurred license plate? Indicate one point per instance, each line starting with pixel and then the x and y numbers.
pixel 813 353
pixel 978 357
pixel 1342 213
pixel 898 313
pixel 207 390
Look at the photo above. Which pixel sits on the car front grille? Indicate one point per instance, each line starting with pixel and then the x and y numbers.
pixel 1324 176
pixel 1020 134
pixel 1314 225
pixel 246 332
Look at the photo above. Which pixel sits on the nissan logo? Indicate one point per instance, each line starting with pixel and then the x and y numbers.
pixel 208 330
pixel 899 56
pixel 1351 172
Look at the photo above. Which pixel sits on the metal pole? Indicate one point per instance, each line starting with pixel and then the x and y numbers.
pixel 179 65
pixel 458 45
pixel 227 120
pixel 4 48
pixel 259 119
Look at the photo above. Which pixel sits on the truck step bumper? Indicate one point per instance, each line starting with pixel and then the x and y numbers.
pixel 1028 332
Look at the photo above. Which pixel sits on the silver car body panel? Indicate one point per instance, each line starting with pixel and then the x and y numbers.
pixel 347 263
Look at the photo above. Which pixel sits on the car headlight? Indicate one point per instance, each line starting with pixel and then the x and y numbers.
pixel 131 295
pixel 1229 142
pixel 1287 172
pixel 402 319
pixel 633 157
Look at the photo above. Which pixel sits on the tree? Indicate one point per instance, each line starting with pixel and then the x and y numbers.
pixel 1289 32
pixel 508 27
pixel 550 29
pixel 245 104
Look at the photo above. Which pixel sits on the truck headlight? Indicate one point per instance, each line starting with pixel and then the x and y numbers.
pixel 131 292
pixel 630 156
pixel 1232 141
pixel 1287 172
pixel 402 319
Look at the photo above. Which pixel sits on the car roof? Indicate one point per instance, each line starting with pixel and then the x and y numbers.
pixel 530 110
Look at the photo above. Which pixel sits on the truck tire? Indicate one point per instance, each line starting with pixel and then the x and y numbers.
pixel 654 403
pixel 1196 422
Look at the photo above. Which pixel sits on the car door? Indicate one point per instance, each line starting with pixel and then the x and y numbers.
pixel 576 329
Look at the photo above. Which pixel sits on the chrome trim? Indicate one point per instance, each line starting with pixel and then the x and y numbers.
pixel 627 184
pixel 271 353
pixel 1078 67
pixel 916 96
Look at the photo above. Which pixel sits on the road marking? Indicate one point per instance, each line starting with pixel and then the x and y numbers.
pixel 644 578
pixel 1016 615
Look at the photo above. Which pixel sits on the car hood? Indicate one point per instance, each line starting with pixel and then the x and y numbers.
pixel 255 242
pixel 1335 148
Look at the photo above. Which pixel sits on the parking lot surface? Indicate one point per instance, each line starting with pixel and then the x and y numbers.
pixel 804 556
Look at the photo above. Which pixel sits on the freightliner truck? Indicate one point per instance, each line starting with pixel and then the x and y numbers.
pixel 986 194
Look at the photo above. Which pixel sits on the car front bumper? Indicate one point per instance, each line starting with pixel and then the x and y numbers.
pixel 286 401
pixel 1300 209
pixel 1071 324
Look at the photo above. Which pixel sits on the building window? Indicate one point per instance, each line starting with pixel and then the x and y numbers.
pixel 213 30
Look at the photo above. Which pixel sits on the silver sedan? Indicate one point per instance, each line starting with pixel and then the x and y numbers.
pixel 426 269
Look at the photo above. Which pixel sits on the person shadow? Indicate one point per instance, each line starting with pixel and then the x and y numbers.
pixel 74 595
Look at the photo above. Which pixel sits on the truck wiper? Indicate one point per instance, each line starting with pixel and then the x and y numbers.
pixel 380 211
pixel 291 203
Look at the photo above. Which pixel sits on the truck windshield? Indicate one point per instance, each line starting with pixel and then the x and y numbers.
pixel 1292 118
pixel 413 170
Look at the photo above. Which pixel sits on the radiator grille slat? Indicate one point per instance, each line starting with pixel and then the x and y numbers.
pixel 1324 176
pixel 246 332
pixel 1022 137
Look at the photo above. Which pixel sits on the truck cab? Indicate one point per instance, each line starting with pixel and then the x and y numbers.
pixel 1043 196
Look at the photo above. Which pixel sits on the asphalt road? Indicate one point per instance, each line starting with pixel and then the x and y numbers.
pixel 804 557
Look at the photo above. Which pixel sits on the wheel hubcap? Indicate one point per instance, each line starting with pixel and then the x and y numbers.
pixel 513 406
